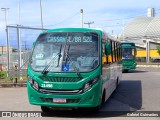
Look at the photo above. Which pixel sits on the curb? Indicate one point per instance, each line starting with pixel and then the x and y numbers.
pixel 5 85
pixel 155 66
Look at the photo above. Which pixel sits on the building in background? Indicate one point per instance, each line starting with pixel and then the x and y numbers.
pixel 3 50
pixel 145 32
pixel 3 57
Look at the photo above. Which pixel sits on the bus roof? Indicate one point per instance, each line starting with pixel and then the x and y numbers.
pixel 126 42
pixel 72 30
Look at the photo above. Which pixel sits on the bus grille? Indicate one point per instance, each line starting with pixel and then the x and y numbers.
pixel 47 91
pixel 50 100
pixel 60 79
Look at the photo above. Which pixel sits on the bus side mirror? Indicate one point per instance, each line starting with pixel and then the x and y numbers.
pixel 33 44
pixel 107 49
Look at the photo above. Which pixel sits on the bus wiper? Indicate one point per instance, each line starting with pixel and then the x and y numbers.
pixel 52 61
pixel 67 57
pixel 59 55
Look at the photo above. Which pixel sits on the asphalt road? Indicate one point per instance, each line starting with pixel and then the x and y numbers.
pixel 138 91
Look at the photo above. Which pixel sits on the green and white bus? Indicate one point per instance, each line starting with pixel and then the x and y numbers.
pixel 73 68
pixel 128 56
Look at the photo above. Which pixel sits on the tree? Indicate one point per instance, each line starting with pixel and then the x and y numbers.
pixel 158 49
pixel 14 50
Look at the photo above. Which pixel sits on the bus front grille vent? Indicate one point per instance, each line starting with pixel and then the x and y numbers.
pixel 49 91
pixel 60 79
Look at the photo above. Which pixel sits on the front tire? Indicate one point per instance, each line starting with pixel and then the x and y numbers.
pixel 96 109
pixel 125 71
pixel 92 109
pixel 45 109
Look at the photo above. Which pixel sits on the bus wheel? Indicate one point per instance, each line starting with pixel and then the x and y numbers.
pixel 96 109
pixel 126 71
pixel 116 85
pixel 45 109
pixel 103 97
pixel 92 109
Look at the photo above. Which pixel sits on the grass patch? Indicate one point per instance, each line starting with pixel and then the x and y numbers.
pixel 5 79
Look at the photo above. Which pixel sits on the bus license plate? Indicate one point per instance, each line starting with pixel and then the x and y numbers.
pixel 59 100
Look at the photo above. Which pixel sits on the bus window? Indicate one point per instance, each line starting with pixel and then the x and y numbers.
pixel 128 53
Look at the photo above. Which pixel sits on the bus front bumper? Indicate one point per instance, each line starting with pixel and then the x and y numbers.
pixel 129 67
pixel 90 98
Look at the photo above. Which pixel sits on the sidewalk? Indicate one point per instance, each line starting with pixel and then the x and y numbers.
pixel 144 64
pixel 156 66
pixel 12 84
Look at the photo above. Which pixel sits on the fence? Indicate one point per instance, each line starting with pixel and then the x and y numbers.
pixel 19 47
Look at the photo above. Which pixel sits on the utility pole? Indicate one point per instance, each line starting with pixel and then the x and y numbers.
pixel 19 12
pixel 19 51
pixel 41 13
pixel 89 23
pixel 123 27
pixel 25 45
pixel 147 51
pixel 81 11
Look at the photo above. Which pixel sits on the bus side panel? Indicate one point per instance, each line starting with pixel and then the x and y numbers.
pixel 106 80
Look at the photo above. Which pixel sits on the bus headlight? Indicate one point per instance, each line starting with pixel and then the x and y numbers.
pixel 33 83
pixel 89 84
pixel 30 80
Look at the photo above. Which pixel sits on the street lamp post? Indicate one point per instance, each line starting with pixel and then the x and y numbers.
pixel 81 11
pixel 5 10
pixel 41 13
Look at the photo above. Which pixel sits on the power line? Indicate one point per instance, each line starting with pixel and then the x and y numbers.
pixel 116 19
pixel 113 26
pixel 62 20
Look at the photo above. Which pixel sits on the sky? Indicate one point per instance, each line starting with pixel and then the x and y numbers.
pixel 110 15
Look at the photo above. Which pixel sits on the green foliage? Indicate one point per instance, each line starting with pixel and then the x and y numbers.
pixel 3 74
pixel 158 49
pixel 14 50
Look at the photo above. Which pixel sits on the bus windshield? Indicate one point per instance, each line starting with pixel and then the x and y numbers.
pixel 52 50
pixel 128 53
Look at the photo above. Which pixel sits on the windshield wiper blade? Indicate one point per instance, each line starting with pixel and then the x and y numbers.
pixel 49 64
pixel 75 68
pixel 59 55
pixel 67 57
pixel 52 60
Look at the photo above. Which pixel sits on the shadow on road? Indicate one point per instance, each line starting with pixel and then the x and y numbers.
pixel 136 71
pixel 127 98
pixel 129 92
